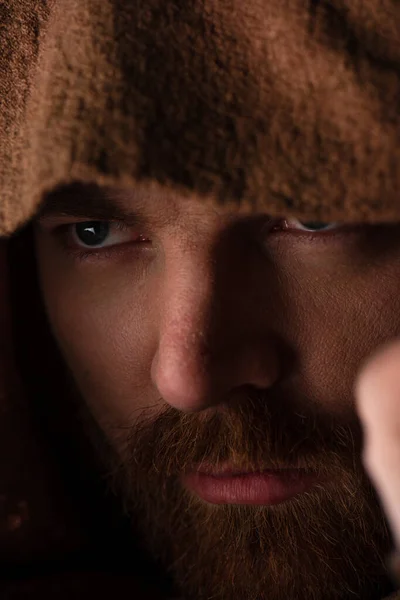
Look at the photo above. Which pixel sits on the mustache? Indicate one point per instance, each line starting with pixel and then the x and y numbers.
pixel 251 433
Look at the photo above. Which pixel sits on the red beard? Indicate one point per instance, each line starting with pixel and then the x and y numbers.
pixel 325 544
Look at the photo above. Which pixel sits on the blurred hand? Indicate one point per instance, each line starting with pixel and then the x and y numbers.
pixel 377 393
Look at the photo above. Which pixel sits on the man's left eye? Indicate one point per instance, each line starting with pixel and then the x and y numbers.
pixel 311 226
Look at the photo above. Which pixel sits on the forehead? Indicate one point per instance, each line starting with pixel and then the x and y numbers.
pixel 149 202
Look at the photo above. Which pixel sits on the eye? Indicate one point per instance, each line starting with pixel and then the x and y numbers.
pixel 100 234
pixel 310 226
pixel 91 233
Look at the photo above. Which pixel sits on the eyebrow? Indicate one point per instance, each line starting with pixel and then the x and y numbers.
pixel 92 201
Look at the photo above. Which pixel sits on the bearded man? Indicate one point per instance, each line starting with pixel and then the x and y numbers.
pixel 204 202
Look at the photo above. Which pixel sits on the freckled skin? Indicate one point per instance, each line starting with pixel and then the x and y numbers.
pixel 212 309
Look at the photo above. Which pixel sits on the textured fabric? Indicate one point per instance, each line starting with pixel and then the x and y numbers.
pixel 291 105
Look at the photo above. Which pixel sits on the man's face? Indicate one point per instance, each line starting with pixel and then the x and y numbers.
pixel 202 337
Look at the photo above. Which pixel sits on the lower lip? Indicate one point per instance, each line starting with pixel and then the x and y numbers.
pixel 264 488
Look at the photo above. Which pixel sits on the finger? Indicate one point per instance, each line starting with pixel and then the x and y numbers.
pixel 377 394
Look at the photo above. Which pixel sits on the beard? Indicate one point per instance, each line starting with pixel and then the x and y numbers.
pixel 328 543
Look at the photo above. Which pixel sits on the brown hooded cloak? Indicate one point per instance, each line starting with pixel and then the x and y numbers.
pixel 292 105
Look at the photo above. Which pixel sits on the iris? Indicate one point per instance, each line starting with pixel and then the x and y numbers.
pixel 315 225
pixel 92 233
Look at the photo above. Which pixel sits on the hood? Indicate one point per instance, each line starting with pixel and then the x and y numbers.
pixel 291 106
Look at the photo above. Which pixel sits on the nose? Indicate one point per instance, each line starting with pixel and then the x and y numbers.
pixel 209 345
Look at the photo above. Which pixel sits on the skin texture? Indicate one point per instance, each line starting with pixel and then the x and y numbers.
pixel 216 336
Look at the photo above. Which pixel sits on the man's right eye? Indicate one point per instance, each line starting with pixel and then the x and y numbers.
pixel 100 234
pixel 92 233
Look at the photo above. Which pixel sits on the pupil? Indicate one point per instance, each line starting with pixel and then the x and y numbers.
pixel 92 233
pixel 314 225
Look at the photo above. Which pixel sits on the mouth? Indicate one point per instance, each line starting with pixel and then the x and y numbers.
pixel 227 485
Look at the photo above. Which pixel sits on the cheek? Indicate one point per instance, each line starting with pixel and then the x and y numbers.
pixel 343 317
pixel 104 324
